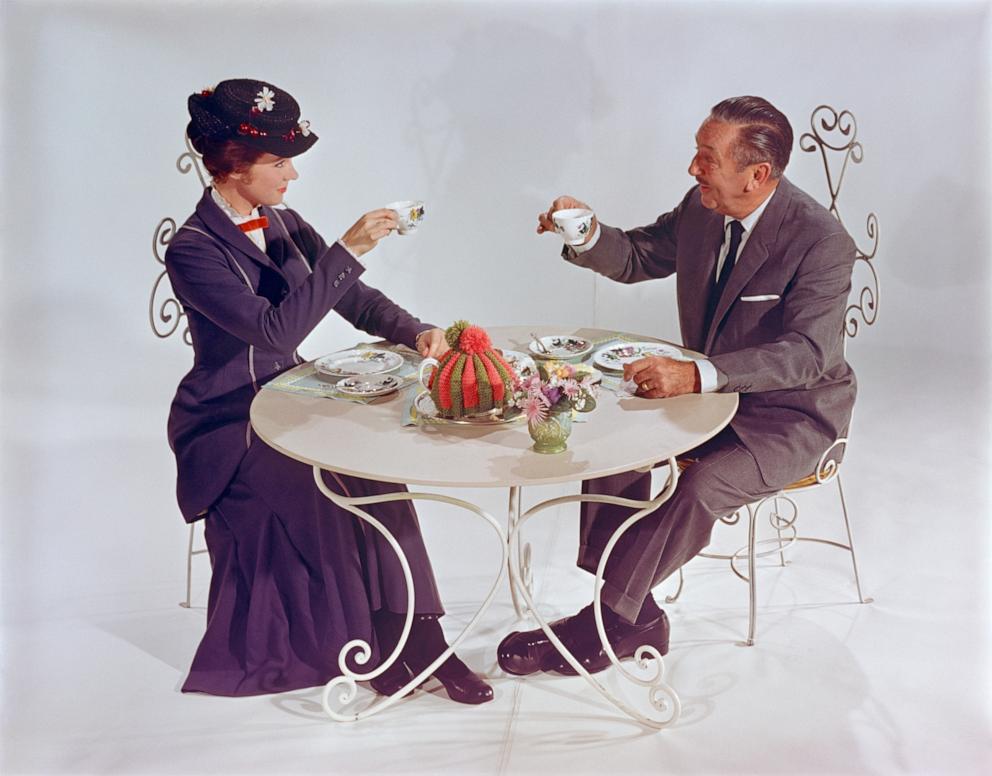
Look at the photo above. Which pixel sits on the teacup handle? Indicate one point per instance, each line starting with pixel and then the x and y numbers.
pixel 427 362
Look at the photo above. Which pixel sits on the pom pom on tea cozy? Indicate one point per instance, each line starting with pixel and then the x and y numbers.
pixel 454 333
pixel 474 340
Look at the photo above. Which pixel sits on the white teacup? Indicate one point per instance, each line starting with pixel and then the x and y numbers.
pixel 410 213
pixel 573 224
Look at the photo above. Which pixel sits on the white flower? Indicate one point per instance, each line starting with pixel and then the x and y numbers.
pixel 304 128
pixel 264 100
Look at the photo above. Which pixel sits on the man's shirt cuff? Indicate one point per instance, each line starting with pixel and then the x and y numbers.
pixel 708 378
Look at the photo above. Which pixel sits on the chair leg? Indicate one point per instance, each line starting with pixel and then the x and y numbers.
pixel 778 530
pixel 850 544
pixel 189 568
pixel 752 576
pixel 671 599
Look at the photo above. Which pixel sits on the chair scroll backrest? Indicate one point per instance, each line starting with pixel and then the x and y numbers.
pixel 164 311
pixel 836 134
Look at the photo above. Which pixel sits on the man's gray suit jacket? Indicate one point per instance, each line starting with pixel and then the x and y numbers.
pixel 776 337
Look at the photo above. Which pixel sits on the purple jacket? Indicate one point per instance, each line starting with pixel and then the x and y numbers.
pixel 248 311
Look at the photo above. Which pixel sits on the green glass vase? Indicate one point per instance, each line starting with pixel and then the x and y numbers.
pixel 551 435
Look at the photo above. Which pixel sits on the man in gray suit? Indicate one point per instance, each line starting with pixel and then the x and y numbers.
pixel 762 274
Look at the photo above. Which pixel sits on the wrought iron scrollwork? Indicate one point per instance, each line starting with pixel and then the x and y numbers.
pixel 191 160
pixel 165 313
pixel 837 133
pixel 828 466
pixel 165 316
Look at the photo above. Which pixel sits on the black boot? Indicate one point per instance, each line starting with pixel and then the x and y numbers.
pixel 388 627
pixel 425 644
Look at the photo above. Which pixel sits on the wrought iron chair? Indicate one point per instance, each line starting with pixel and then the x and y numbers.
pixel 165 315
pixel 834 134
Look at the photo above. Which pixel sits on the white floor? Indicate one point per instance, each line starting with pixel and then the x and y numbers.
pixel 95 647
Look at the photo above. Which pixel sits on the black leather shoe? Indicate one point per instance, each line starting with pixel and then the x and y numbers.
pixel 624 638
pixel 425 644
pixel 461 683
pixel 522 653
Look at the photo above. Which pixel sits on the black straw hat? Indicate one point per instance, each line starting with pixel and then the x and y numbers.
pixel 252 112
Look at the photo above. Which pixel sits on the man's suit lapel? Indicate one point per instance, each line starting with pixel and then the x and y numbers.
pixel 696 278
pixel 755 254
pixel 223 227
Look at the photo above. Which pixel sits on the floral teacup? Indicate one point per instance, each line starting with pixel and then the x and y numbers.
pixel 573 224
pixel 410 213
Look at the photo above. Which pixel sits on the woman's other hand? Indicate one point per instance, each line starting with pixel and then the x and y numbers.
pixel 369 229
pixel 431 343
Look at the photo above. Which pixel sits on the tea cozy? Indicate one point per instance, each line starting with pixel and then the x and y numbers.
pixel 472 377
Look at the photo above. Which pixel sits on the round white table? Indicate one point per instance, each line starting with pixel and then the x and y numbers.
pixel 370 441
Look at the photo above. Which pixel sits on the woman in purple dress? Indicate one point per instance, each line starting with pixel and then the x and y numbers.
pixel 294 576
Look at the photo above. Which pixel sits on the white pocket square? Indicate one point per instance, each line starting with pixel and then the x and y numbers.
pixel 760 298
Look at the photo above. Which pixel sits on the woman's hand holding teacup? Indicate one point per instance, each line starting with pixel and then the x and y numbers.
pixel 366 232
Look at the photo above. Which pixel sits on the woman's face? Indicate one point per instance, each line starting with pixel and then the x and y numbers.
pixel 265 182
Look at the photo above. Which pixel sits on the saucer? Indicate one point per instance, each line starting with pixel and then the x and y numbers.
pixel 376 385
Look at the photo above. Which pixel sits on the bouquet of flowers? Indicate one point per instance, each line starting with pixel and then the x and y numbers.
pixel 555 388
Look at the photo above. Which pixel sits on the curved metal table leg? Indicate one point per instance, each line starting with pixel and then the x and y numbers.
pixel 361 650
pixel 661 695
pixel 189 569
pixel 523 554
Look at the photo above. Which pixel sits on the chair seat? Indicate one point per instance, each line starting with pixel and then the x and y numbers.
pixel 808 481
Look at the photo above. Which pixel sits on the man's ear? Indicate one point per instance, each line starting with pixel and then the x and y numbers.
pixel 760 173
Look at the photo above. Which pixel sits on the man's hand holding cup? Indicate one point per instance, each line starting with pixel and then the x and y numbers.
pixel 572 219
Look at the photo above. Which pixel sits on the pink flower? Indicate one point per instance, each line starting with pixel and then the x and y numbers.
pixel 535 408
pixel 532 383
pixel 571 389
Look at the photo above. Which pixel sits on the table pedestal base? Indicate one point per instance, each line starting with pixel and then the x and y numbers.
pixel 360 651
pixel 661 696
pixel 515 558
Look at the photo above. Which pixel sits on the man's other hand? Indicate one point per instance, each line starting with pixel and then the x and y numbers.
pixel 658 377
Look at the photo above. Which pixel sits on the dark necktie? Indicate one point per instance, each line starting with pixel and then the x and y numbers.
pixel 736 230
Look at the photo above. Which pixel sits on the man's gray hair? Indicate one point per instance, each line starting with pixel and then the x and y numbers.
pixel 763 132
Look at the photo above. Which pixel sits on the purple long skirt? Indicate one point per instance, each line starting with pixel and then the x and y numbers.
pixel 295 577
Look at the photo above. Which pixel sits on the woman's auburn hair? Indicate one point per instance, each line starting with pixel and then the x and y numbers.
pixel 223 158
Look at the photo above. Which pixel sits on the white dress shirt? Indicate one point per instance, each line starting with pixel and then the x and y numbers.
pixel 257 236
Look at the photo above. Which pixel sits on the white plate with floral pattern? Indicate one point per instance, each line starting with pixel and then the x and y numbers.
pixel 358 363
pixel 521 363
pixel 613 358
pixel 376 385
pixel 560 347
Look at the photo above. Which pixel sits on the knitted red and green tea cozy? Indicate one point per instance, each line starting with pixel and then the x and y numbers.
pixel 472 377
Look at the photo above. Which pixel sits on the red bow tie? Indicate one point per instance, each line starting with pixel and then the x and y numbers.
pixel 255 223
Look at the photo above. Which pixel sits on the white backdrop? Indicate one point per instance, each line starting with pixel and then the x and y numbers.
pixel 486 110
